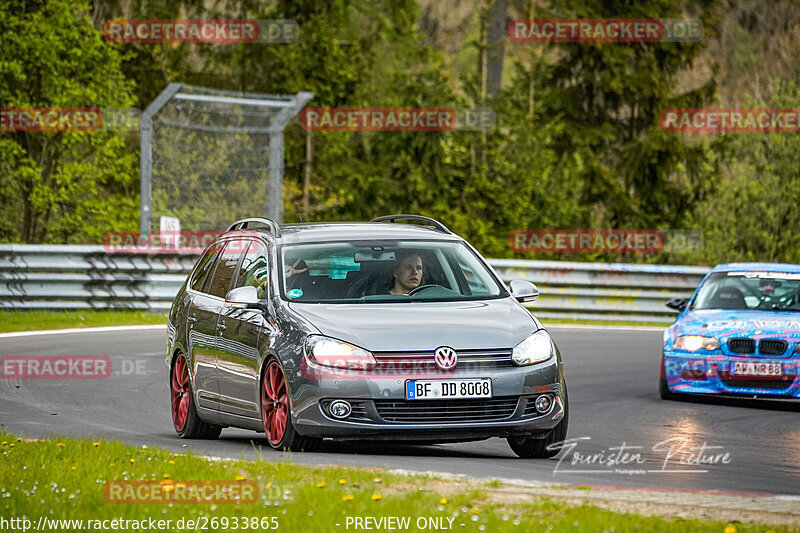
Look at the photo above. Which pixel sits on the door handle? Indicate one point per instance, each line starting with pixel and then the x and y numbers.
pixel 191 320
pixel 221 326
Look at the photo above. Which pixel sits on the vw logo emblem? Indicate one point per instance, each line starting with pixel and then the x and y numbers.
pixel 445 358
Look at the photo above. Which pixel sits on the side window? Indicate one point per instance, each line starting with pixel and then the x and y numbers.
pixel 226 267
pixel 254 271
pixel 204 267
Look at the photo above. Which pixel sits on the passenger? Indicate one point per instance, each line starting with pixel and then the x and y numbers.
pixel 406 274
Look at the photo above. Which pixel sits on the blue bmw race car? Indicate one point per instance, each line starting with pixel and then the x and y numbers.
pixel 738 336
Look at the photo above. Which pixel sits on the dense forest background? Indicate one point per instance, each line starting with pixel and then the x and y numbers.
pixel 577 143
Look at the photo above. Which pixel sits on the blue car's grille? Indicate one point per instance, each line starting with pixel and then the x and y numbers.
pixel 772 346
pixel 446 411
pixel 742 345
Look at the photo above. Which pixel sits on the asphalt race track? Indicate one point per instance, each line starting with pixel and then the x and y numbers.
pixel 612 376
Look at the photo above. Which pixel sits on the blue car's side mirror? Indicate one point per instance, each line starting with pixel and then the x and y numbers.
pixel 678 304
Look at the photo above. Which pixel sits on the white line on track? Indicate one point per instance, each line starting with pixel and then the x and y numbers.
pixel 79 330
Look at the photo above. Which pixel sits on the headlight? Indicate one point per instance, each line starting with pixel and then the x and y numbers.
pixel 535 349
pixel 692 343
pixel 331 352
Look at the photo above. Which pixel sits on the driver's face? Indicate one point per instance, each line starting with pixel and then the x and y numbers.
pixel 409 273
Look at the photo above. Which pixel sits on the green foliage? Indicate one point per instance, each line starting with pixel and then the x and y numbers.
pixel 69 186
pixel 577 142
pixel 753 214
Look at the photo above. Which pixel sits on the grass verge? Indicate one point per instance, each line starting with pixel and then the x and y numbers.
pixel 63 479
pixel 39 320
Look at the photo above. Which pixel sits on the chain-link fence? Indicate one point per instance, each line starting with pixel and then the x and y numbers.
pixel 210 157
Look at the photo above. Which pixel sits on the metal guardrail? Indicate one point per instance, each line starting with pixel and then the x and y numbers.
pixel 87 277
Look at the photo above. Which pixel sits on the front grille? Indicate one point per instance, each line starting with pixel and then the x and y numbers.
pixel 742 345
pixel 446 411
pixel 774 384
pixel 415 361
pixel 772 346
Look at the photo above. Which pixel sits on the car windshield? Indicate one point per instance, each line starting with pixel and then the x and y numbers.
pixel 385 271
pixel 750 290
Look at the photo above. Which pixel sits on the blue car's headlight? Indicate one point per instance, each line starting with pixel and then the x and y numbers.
pixel 535 349
pixel 693 343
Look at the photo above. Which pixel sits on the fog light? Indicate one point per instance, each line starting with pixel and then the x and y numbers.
pixel 543 403
pixel 340 409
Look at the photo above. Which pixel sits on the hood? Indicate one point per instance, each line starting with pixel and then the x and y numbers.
pixel 418 326
pixel 727 322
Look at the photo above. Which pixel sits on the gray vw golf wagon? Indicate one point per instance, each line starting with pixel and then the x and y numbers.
pixel 378 330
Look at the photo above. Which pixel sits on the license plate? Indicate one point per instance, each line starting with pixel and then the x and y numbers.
pixel 448 389
pixel 751 368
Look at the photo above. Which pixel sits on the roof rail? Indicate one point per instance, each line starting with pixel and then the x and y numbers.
pixel 243 224
pixel 394 218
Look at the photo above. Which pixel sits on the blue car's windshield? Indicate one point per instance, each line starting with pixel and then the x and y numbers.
pixel 385 271
pixel 761 290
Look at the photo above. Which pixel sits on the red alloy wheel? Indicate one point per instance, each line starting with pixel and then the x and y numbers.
pixel 274 403
pixel 180 393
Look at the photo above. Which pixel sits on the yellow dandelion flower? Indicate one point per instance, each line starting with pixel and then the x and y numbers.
pixel 144 446
pixel 376 497
pixel 171 462
pixel 320 484
pixel 95 444
pixel 443 501
pixel 132 460
pixel 166 476
pixel 474 511
pixel 342 481
pixel 174 455
pixel 240 478
pixel 5 442
pixel 60 444
pixel 347 497
pixel 73 468
pixel 11 445
pixel 730 529
pixel 268 485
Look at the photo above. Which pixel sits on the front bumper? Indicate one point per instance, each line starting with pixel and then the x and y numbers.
pixel 691 373
pixel 508 413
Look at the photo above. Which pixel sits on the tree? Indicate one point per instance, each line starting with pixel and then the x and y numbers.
pixel 62 186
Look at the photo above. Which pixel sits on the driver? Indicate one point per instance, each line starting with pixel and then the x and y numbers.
pixel 406 274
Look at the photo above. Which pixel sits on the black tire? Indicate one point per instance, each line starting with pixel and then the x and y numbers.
pixel 195 427
pixel 291 440
pixel 540 448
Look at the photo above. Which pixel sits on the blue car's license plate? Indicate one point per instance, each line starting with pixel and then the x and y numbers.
pixel 448 389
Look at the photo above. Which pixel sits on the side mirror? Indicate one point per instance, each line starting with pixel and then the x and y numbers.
pixel 523 291
pixel 243 298
pixel 679 304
